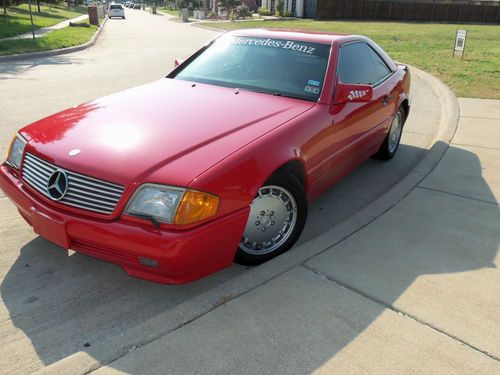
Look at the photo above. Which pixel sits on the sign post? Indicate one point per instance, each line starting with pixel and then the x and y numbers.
pixel 460 38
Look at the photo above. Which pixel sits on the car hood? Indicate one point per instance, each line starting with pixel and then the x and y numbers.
pixel 127 136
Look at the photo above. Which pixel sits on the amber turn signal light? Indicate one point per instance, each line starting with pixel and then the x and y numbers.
pixel 196 206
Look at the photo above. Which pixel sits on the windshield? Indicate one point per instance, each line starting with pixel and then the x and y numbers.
pixel 274 66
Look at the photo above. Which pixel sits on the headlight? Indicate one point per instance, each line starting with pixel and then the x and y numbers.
pixel 15 152
pixel 172 205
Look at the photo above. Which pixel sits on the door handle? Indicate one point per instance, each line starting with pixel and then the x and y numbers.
pixel 386 99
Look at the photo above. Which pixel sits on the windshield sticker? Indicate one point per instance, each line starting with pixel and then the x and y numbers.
pixel 312 82
pixel 311 89
pixel 284 44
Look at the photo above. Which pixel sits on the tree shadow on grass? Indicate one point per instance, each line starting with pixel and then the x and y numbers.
pixel 13 28
pixel 44 14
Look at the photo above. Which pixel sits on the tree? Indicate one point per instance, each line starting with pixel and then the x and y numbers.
pixel 4 6
pixel 38 6
pixel 279 7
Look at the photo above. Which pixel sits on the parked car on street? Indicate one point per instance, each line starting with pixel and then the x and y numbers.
pixel 215 163
pixel 116 10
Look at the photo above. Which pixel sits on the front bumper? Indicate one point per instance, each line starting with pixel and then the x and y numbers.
pixel 174 257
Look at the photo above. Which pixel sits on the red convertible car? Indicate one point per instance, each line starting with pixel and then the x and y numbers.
pixel 216 162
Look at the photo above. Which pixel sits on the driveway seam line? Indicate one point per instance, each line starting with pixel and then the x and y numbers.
pixel 482 118
pixel 476 146
pixel 419 133
pixel 397 311
pixel 458 195
pixel 134 347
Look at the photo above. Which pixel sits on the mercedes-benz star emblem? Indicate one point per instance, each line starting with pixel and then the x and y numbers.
pixel 57 185
pixel 74 152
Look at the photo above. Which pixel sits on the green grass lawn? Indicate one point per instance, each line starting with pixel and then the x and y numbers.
pixel 67 37
pixel 427 46
pixel 17 20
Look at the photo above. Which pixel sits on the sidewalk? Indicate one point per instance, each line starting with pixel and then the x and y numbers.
pixel 46 30
pixel 415 291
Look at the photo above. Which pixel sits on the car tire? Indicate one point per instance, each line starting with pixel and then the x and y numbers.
pixel 391 142
pixel 276 220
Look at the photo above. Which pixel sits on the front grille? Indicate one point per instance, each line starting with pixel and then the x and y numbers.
pixel 83 191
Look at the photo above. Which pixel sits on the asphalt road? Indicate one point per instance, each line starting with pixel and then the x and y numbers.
pixel 55 303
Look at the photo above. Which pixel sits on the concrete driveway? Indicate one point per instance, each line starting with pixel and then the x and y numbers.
pixel 55 304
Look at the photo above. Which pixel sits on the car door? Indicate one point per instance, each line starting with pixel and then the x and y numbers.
pixel 357 128
pixel 354 122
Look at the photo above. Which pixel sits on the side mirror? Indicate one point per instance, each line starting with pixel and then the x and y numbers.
pixel 352 93
pixel 178 62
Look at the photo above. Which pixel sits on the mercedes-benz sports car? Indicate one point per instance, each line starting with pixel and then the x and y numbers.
pixel 214 163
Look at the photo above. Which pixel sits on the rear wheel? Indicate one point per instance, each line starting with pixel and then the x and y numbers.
pixel 276 220
pixel 391 142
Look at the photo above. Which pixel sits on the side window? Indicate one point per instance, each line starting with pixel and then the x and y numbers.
pixel 360 64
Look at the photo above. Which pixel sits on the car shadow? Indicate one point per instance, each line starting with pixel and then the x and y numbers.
pixel 64 302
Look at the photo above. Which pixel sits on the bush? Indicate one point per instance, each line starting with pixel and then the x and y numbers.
pixel 211 16
pixel 264 12
pixel 233 15
pixel 244 11
pixel 286 13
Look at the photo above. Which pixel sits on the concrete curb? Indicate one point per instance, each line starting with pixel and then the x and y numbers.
pixel 186 312
pixel 54 52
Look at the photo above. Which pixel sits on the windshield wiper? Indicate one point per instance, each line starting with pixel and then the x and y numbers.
pixel 277 93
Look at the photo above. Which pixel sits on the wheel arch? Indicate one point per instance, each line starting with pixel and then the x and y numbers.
pixel 296 168
pixel 406 107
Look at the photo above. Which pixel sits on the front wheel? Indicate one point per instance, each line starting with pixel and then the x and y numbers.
pixel 391 142
pixel 276 220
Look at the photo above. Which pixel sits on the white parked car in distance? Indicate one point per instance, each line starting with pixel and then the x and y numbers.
pixel 116 10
